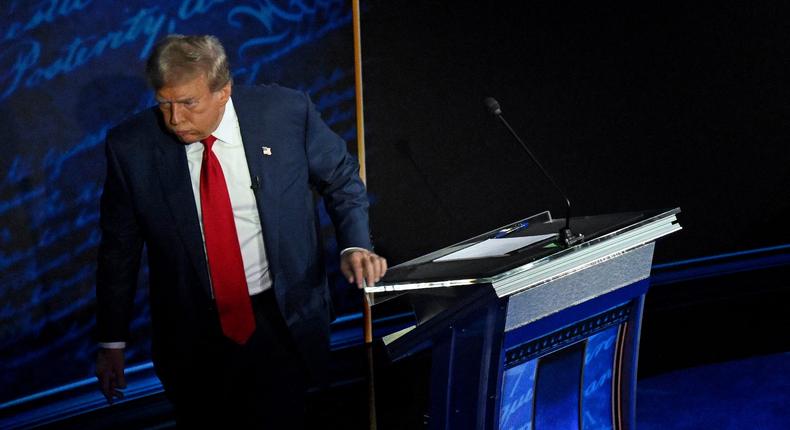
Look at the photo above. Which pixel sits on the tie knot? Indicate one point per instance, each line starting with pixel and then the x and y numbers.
pixel 208 141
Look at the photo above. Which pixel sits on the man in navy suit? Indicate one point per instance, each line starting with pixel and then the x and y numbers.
pixel 225 364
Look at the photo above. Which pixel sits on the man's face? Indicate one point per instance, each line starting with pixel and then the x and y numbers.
pixel 190 109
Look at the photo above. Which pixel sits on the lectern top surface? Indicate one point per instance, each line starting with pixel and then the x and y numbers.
pixel 594 228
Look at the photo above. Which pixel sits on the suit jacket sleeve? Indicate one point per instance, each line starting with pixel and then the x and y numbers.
pixel 120 251
pixel 335 174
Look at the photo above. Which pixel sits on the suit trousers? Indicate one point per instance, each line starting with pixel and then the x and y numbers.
pixel 259 385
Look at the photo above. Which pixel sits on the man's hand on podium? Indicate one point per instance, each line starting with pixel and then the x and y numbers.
pixel 362 267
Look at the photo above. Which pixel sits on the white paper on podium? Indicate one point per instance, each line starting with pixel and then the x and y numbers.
pixel 494 247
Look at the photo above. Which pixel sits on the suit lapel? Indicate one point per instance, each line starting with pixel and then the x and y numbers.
pixel 256 135
pixel 177 188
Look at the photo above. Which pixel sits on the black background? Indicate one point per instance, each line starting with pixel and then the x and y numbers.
pixel 649 106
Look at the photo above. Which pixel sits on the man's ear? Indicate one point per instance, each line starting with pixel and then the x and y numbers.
pixel 225 92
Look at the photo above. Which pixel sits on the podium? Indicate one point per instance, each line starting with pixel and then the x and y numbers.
pixel 524 333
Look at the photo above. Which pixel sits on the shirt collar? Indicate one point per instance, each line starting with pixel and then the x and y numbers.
pixel 228 128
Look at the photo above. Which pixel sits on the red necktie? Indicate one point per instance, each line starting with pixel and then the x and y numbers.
pixel 222 250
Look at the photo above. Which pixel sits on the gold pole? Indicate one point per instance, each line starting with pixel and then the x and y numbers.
pixel 358 88
pixel 367 319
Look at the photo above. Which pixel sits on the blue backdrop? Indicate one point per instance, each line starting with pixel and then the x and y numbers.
pixel 71 69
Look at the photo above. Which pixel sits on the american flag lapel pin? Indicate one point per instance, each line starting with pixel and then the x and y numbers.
pixel 266 150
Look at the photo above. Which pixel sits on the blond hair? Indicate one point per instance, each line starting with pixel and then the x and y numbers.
pixel 178 58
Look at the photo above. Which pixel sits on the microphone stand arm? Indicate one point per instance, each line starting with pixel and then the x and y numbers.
pixel 566 236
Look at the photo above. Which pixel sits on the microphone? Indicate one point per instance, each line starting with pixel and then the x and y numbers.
pixel 492 105
pixel 256 183
pixel 567 237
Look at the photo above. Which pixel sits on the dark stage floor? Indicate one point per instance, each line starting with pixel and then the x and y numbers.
pixel 751 393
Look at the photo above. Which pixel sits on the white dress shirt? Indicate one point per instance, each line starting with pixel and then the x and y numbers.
pixel 229 150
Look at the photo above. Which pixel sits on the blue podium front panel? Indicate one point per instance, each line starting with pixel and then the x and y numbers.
pixel 565 383
pixel 518 396
pixel 599 359
pixel 566 378
pixel 557 391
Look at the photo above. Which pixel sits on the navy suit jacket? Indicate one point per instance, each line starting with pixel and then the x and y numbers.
pixel 148 201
